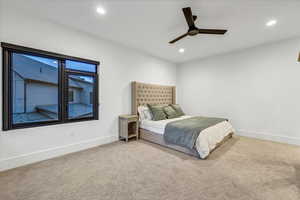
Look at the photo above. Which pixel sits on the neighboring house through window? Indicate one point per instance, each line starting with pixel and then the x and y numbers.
pixel 71 96
pixel 42 88
pixel 91 98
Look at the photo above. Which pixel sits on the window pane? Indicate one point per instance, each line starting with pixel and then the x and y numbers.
pixel 82 88
pixel 71 95
pixel 91 97
pixel 80 66
pixel 34 88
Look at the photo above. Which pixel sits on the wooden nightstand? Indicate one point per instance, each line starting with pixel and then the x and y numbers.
pixel 128 127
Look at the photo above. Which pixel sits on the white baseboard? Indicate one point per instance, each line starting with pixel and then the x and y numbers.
pixel 37 156
pixel 270 137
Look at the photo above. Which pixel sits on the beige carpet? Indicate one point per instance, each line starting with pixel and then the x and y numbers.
pixel 241 169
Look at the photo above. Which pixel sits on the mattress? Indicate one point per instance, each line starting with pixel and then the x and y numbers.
pixel 159 126
pixel 206 141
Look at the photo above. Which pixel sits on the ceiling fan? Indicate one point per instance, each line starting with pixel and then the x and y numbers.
pixel 193 30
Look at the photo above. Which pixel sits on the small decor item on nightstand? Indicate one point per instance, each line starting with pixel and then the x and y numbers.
pixel 128 127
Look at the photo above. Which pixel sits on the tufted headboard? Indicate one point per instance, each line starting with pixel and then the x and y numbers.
pixel 143 94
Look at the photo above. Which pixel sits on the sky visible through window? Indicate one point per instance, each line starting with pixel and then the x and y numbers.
pixel 80 66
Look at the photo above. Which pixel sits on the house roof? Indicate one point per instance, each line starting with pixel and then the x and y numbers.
pixel 31 69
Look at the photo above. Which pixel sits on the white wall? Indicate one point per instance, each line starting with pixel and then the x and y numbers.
pixel 119 66
pixel 258 89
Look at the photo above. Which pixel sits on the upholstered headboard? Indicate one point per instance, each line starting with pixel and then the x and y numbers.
pixel 143 94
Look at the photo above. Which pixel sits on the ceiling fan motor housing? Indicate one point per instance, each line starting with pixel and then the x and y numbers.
pixel 193 31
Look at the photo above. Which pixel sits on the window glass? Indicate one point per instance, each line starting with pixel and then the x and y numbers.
pixel 71 95
pixel 80 66
pixel 34 89
pixel 83 89
pixel 91 98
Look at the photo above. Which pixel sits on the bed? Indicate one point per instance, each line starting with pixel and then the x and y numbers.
pixel 153 131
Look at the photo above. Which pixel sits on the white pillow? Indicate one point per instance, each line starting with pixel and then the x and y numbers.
pixel 144 113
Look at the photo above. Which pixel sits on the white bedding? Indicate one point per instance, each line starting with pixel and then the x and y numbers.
pixel 159 126
pixel 207 140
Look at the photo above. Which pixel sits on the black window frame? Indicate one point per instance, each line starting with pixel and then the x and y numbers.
pixel 7 52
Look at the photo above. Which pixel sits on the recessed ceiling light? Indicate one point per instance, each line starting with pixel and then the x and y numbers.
pixel 101 11
pixel 272 22
pixel 181 50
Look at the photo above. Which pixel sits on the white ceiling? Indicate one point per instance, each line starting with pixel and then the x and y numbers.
pixel 149 25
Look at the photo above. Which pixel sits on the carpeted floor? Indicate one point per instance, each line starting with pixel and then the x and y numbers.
pixel 241 169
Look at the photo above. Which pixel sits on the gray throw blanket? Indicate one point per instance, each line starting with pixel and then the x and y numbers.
pixel 186 131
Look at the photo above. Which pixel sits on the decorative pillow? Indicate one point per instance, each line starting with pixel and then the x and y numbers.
pixel 178 109
pixel 171 113
pixel 157 112
pixel 144 113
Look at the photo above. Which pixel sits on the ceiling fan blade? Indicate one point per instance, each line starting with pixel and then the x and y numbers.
pixel 179 38
pixel 212 31
pixel 188 16
pixel 194 17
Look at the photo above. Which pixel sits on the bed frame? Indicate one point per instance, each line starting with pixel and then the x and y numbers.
pixel 143 94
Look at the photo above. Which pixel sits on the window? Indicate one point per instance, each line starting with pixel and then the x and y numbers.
pixel 91 97
pixel 71 95
pixel 43 88
pixel 80 66
pixel 34 88
pixel 83 85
